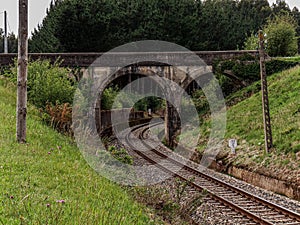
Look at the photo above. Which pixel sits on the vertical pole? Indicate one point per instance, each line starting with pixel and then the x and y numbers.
pixel 265 99
pixel 22 71
pixel 5 33
pixel 172 114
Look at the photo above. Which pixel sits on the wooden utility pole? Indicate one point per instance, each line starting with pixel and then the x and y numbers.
pixel 265 98
pixel 22 71
pixel 5 33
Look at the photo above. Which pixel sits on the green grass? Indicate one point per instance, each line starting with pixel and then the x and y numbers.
pixel 49 168
pixel 245 122
pixel 245 119
pixel 290 59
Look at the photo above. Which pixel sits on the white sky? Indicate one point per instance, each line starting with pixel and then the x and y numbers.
pixel 37 11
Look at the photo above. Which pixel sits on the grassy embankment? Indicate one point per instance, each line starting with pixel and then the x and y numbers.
pixel 244 122
pixel 46 181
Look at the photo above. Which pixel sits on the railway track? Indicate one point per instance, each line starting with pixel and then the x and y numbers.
pixel 243 205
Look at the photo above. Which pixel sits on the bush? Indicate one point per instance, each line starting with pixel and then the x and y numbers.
pixel 50 88
pixel 281 35
pixel 47 83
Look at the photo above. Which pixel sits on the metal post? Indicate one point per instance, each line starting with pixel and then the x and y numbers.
pixel 5 33
pixel 22 71
pixel 265 99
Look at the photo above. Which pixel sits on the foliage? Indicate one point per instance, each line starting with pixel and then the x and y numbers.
pixel 112 97
pixel 121 155
pixel 154 103
pixel 108 98
pixel 12 42
pixel 47 181
pixel 43 37
pixel 93 26
pixel 251 42
pixel 47 83
pixel 281 36
pixel 246 71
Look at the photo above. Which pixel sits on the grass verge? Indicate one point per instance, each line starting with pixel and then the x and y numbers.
pixel 245 122
pixel 47 181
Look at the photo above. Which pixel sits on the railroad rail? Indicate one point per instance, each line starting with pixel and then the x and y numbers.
pixel 253 209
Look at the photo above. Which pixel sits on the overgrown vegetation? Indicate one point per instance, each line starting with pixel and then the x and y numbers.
pixel 246 71
pixel 47 83
pixel 51 89
pixel 46 181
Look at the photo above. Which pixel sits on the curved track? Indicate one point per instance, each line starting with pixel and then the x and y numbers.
pixel 254 209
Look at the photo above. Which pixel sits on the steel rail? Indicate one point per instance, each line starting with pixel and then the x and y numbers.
pixel 248 195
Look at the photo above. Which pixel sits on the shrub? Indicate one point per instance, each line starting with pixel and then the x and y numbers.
pixel 281 35
pixel 50 88
pixel 47 83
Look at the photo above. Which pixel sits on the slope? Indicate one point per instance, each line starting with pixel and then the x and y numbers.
pixel 245 123
pixel 47 180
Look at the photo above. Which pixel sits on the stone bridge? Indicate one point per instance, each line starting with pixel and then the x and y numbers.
pixel 123 68
pixel 86 59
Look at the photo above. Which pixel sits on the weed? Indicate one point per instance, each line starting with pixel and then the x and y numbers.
pixel 120 154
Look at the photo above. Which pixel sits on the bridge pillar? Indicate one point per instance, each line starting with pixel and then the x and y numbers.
pixel 172 113
pixel 172 125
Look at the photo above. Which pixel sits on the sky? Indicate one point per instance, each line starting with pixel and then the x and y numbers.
pixel 37 11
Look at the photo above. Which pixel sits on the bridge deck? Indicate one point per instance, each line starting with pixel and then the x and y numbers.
pixel 86 59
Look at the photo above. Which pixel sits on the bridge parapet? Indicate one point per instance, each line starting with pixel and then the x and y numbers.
pixel 86 59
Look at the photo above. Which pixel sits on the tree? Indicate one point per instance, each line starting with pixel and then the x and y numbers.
pixel 44 38
pixel 280 7
pixel 296 15
pixel 281 36
pixel 100 25
pixel 12 42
